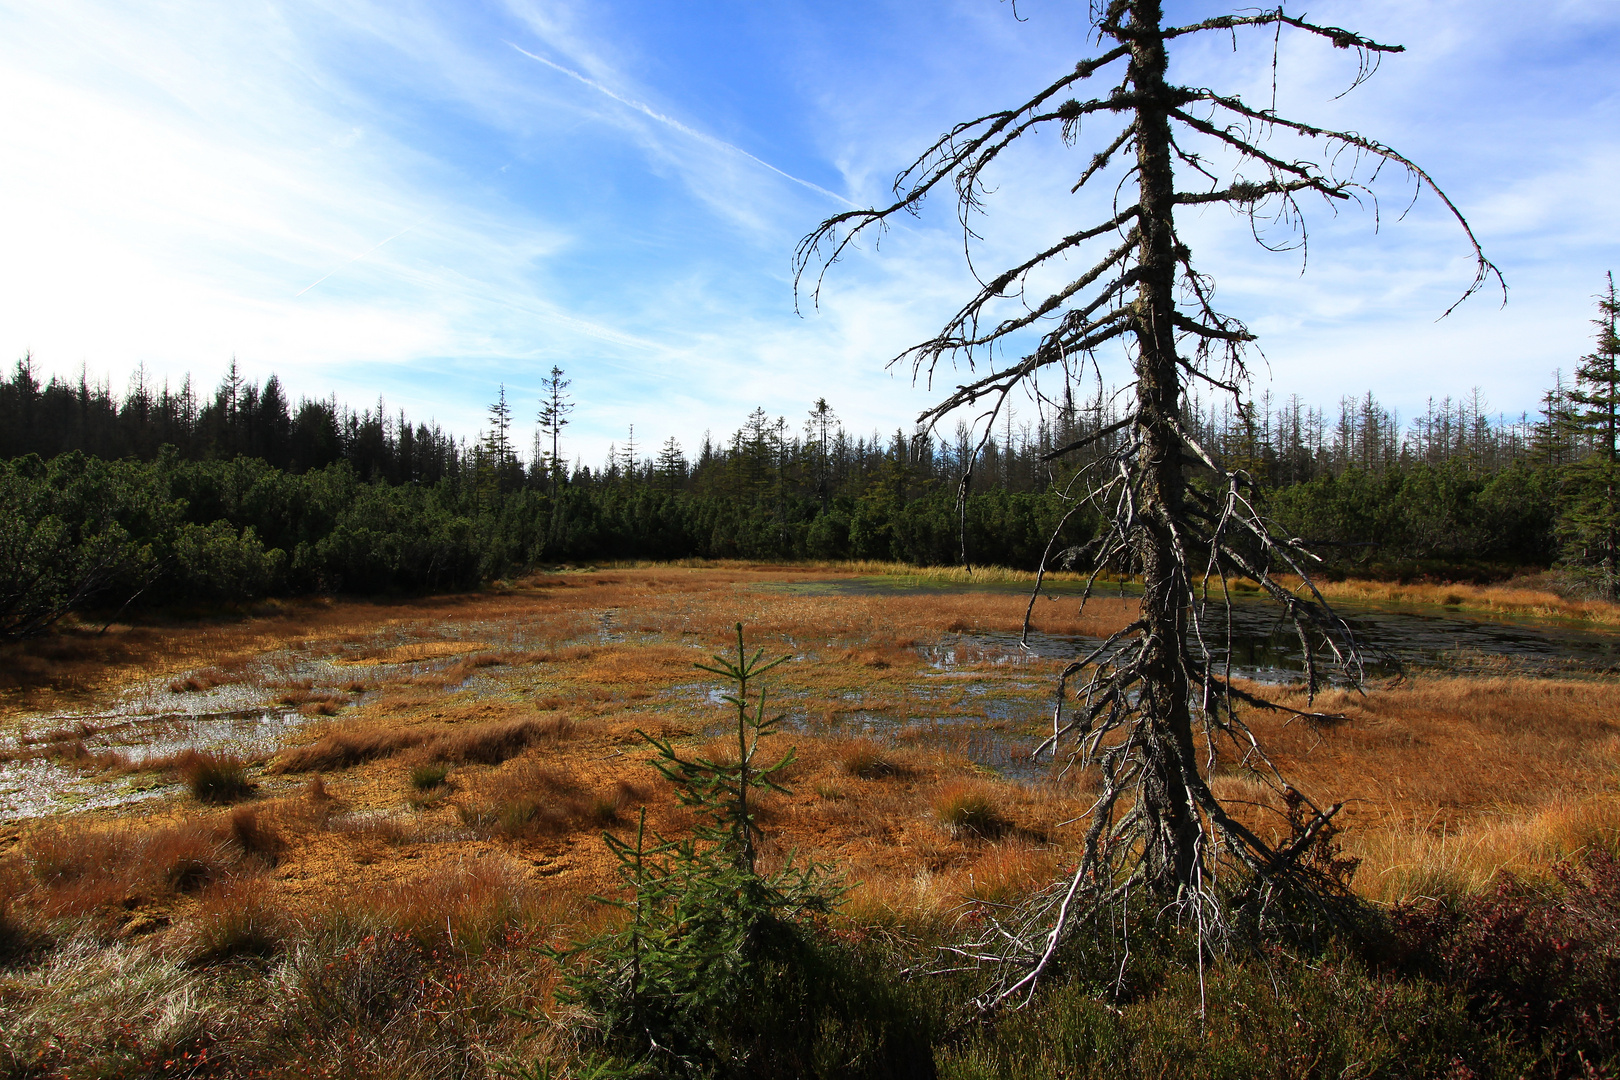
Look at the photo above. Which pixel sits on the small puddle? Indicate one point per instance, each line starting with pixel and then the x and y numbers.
pixel 35 788
pixel 31 787
pixel 241 715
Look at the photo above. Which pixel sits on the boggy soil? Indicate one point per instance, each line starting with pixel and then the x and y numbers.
pixel 459 758
pixel 503 728
pixel 505 725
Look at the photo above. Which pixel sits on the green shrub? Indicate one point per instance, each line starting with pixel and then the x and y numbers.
pixel 1238 1018
pixel 216 562
pixel 1537 963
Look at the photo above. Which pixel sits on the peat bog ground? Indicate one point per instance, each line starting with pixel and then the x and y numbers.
pixel 213 832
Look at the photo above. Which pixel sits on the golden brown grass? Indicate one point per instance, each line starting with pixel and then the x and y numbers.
pixel 80 869
pixel 968 808
pixel 867 759
pixel 213 777
pixel 1446 780
pixel 487 744
pixel 526 799
pixel 416 652
pixel 1505 599
pixel 235 918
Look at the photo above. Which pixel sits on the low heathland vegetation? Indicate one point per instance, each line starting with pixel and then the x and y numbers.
pixel 396 890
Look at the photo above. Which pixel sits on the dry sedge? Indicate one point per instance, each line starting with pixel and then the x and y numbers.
pixel 215 778
pixel 969 809
pixel 1437 760
pixel 472 812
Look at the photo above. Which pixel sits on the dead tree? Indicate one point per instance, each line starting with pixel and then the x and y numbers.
pixel 1151 709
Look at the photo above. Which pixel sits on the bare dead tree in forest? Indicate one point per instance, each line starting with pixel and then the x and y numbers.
pixel 1153 708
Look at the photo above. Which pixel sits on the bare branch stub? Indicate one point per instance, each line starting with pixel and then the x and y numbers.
pixel 1155 708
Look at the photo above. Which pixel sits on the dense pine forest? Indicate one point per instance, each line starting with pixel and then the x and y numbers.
pixel 163 496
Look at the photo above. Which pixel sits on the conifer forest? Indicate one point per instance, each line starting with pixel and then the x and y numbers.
pixel 160 495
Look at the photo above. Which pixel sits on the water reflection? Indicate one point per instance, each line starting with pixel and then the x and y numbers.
pixel 1264 646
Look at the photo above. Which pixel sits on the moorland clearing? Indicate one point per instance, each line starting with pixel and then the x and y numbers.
pixel 451 762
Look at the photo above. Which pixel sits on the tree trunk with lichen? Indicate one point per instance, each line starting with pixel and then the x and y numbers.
pixel 1140 696
pixel 1172 820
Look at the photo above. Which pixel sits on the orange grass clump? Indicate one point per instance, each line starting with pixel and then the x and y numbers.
pixel 78 869
pixel 487 744
pixel 527 799
pixel 234 919
pixel 867 759
pixel 969 808
pixel 212 777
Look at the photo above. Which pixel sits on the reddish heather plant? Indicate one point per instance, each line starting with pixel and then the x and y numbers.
pixel 1543 964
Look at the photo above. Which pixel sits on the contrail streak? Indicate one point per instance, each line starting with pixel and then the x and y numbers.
pixel 647 110
pixel 352 261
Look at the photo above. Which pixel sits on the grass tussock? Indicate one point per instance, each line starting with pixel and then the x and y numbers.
pixel 1009 870
pixel 463 669
pixel 213 777
pixel 491 744
pixel 486 744
pixel 208 678
pixel 346 749
pixel 526 799
pixel 235 919
pixel 69 868
pixel 867 759
pixel 77 869
pixel 969 808
pixel 258 834
pixel 466 907
pixel 429 775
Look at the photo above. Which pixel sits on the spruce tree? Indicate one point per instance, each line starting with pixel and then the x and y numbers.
pixel 554 409
pixel 1590 522
pixel 694 982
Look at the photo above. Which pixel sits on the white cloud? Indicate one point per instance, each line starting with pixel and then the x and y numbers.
pixel 179 175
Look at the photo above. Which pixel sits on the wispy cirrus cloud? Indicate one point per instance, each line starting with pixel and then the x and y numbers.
pixel 399 199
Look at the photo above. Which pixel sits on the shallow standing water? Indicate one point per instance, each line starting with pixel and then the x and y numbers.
pixel 1392 638
pixel 154 720
pixel 991 720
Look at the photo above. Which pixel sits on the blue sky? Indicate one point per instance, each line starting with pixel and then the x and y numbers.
pixel 423 201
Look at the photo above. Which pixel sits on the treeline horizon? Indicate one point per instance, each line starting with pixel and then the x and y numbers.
pixel 1283 442
pixel 163 497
